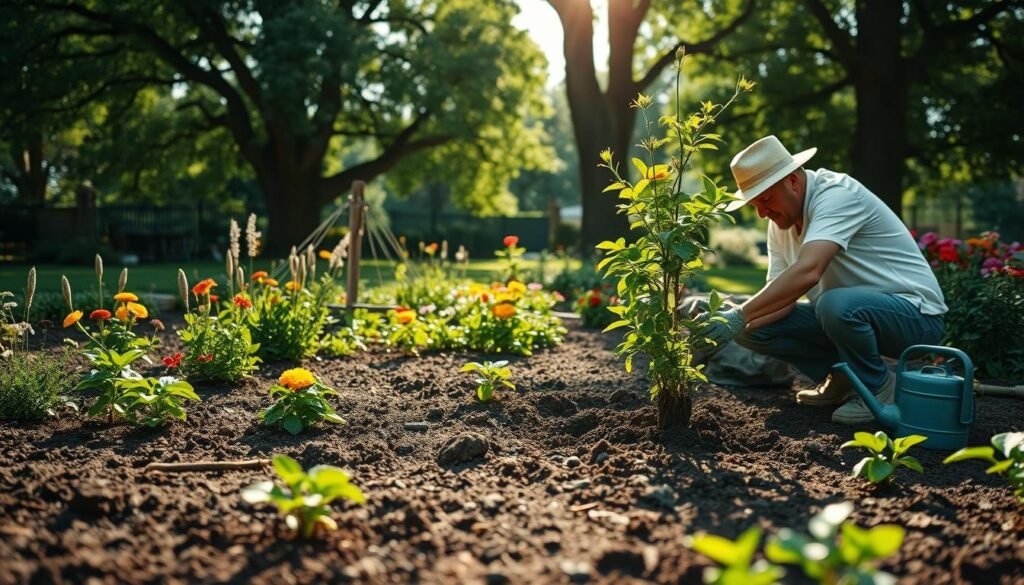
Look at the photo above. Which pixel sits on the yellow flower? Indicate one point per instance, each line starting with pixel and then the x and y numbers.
pixel 297 379
pixel 503 310
pixel 72 318
pixel 324 254
pixel 506 296
pixel 405 317
pixel 121 313
pixel 292 285
pixel 606 155
pixel 516 286
pixel 138 310
pixel 124 297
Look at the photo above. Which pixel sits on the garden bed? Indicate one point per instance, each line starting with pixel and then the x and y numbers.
pixel 576 483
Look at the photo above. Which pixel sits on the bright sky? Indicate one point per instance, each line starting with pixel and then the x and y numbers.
pixel 539 19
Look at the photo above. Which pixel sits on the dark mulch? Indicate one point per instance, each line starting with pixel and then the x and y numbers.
pixel 542 505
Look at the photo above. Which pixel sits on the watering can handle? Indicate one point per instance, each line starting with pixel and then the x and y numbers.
pixel 967 405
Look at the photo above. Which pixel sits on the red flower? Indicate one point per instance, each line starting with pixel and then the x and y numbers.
pixel 204 358
pixel 510 241
pixel 173 361
pixel 214 298
pixel 948 254
pixel 240 300
pixel 99 315
pixel 595 301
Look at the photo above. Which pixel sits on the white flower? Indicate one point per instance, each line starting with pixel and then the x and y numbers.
pixel 234 234
pixel 252 236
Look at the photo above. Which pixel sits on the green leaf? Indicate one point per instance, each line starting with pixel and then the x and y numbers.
pixel 288 469
pixel 616 325
pixel 686 251
pixel 1001 466
pixel 716 548
pixel 292 424
pixel 885 539
pixel 879 471
pixel 986 453
pixel 911 463
pixel 902 444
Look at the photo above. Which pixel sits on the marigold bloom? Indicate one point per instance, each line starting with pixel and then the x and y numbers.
pixel 99 315
pixel 324 254
pixel 72 318
pixel 270 282
pixel 510 241
pixel 124 297
pixel 242 301
pixel 431 248
pixel 503 310
pixel 259 275
pixel 292 285
pixel 139 311
pixel 296 379
pixel 203 287
pixel 516 286
pixel 406 316
pixel 121 313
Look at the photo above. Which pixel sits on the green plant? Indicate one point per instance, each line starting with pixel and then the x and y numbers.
pixel 490 375
pixel 651 269
pixel 592 307
pixel 301 402
pixel 511 254
pixel 885 456
pixel 32 384
pixel 1011 447
pixel 110 369
pixel 735 558
pixel 152 402
pixel 305 500
pixel 837 552
pixel 288 324
pixel 219 347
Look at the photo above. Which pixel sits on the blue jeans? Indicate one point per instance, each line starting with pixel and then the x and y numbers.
pixel 852 325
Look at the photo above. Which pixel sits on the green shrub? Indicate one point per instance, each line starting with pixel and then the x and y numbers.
pixel 32 384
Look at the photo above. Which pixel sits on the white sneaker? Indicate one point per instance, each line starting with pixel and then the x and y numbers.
pixel 855 412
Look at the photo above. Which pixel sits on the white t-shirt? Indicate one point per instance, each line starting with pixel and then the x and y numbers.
pixel 878 252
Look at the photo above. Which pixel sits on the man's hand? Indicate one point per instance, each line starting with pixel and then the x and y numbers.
pixel 725 328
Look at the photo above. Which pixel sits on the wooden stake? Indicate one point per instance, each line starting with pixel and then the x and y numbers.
pixel 355 243
pixel 208 465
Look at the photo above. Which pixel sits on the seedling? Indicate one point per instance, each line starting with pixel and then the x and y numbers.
pixel 886 455
pixel 152 402
pixel 1010 446
pixel 489 376
pixel 735 558
pixel 301 402
pixel 837 552
pixel 304 503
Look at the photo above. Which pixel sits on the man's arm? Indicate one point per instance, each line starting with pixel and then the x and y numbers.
pixel 771 318
pixel 783 292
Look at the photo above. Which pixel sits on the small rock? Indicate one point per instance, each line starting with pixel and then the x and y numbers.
pixel 639 479
pixel 462 448
pixel 493 501
pixel 660 496
pixel 417 426
pixel 577 571
pixel 619 395
pixel 601 447
pixel 496 577
pixel 573 462
pixel 600 458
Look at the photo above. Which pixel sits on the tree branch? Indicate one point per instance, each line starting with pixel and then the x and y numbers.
pixel 804 99
pixel 705 46
pixel 216 30
pixel 840 38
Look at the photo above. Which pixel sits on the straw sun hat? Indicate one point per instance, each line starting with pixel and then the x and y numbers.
pixel 761 165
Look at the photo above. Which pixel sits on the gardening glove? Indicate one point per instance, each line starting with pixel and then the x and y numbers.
pixel 694 307
pixel 718 333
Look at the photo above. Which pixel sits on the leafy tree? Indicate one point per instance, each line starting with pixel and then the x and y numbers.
pixel 438 85
pixel 601 116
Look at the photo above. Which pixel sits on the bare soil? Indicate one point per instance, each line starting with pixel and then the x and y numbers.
pixel 566 479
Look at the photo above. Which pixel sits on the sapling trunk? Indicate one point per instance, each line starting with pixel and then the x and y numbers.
pixel 674 408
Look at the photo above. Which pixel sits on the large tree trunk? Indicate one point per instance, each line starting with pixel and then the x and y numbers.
pixel 32 173
pixel 293 209
pixel 882 88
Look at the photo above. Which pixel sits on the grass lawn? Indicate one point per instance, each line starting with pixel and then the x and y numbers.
pixel 162 278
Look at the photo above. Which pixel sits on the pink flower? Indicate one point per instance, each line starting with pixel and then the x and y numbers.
pixel 927 240
pixel 992 263
pixel 427 309
pixel 535 286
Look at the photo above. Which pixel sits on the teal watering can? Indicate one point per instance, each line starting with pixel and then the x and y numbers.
pixel 932 401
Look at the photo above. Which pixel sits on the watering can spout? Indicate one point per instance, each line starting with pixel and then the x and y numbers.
pixel 887 414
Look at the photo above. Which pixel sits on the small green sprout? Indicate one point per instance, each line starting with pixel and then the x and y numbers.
pixel 305 502
pixel 833 560
pixel 1010 446
pixel 886 455
pixel 489 376
pixel 735 558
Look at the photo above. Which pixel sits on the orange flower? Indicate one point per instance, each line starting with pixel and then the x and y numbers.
pixel 270 282
pixel 203 287
pixel 324 254
pixel 259 275
pixel 124 297
pixel 138 310
pixel 292 285
pixel 406 316
pixel 72 318
pixel 121 313
pixel 431 249
pixel 99 315
pixel 296 379
pixel 510 241
pixel 242 301
pixel 503 310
